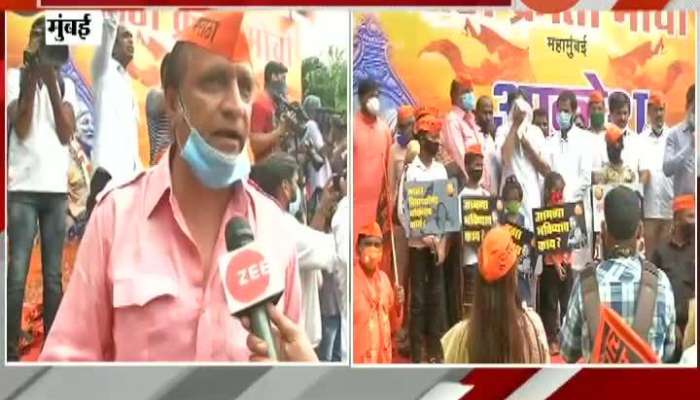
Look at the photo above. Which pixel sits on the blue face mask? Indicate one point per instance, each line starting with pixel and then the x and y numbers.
pixel 215 169
pixel 564 120
pixel 402 138
pixel 469 101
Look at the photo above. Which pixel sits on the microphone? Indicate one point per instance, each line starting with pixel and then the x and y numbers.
pixel 249 280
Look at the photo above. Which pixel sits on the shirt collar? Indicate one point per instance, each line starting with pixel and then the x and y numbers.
pixel 687 128
pixel 160 183
pixel 418 163
pixel 458 112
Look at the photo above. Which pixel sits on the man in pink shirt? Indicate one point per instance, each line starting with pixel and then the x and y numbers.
pixel 146 285
pixel 460 129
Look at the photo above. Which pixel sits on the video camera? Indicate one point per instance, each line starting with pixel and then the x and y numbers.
pixel 39 53
pixel 292 112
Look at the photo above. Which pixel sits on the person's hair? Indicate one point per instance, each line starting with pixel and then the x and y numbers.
pixel 468 157
pixel 623 212
pixel 173 66
pixel 690 95
pixel 617 100
pixel 496 340
pixel 163 69
pixel 512 95
pixel 550 180
pixel 481 100
pixel 273 68
pixel 454 88
pixel 540 112
pixel 366 86
pixel 512 184
pixel 40 20
pixel 269 173
pixel 568 95
pixel 338 122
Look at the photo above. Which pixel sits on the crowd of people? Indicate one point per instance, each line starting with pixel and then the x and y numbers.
pixel 144 286
pixel 486 303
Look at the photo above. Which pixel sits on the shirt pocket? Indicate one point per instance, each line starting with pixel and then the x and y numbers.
pixel 142 315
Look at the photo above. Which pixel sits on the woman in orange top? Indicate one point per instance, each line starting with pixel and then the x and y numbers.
pixel 557 278
pixel 378 310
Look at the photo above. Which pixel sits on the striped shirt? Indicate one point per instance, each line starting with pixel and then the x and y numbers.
pixel 618 287
pixel 158 126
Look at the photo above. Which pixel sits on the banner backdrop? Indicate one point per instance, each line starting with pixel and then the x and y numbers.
pixel 273 35
pixel 416 55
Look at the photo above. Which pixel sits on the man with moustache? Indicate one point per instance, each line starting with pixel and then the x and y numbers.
pixel 146 281
pixel 116 150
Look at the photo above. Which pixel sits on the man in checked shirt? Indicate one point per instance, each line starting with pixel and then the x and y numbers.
pixel 618 277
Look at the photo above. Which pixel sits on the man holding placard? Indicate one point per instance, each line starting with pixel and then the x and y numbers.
pixel 476 219
pixel 427 252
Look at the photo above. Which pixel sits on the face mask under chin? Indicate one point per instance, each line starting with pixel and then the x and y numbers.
pixel 212 167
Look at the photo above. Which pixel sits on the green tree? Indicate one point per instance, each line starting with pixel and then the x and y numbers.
pixel 327 78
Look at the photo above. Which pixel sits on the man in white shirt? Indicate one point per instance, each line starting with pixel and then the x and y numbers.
pixel 116 147
pixel 632 153
pixel 316 250
pixel 318 168
pixel 596 127
pixel 658 192
pixel 426 254
pixel 340 226
pixel 40 110
pixel 523 153
pixel 569 152
pixel 492 158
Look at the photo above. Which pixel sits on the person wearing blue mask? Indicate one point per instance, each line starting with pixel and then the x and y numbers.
pixel 569 150
pixel 460 130
pixel 146 277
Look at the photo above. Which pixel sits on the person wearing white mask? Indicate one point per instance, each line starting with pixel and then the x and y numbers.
pixel 371 147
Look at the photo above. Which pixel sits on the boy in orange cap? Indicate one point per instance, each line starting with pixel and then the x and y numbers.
pixel 146 280
pixel 615 171
pixel 676 257
pixel 426 254
pixel 658 191
pixel 378 310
